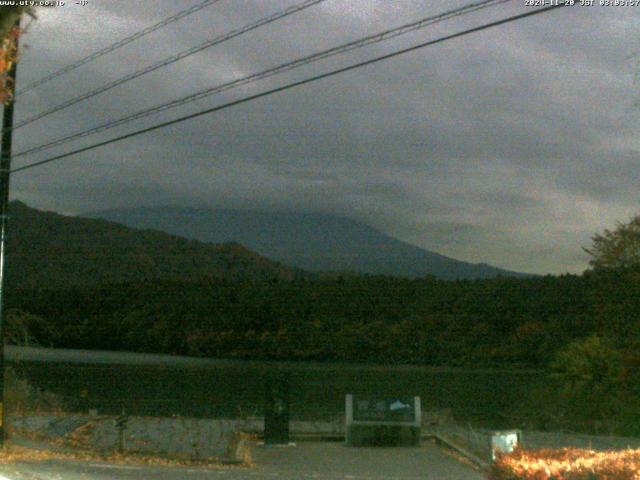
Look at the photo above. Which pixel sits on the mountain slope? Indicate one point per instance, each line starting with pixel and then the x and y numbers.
pixel 316 242
pixel 46 249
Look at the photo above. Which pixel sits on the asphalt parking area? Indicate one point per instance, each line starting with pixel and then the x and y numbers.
pixel 304 461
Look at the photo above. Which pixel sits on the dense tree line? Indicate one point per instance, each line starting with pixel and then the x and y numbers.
pixel 342 317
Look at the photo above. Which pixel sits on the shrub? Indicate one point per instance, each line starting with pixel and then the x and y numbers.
pixel 21 397
pixel 587 374
pixel 567 464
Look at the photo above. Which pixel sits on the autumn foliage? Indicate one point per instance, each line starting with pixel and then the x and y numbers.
pixel 9 34
pixel 567 464
pixel 8 55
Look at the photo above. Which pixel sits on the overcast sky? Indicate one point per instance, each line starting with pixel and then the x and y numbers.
pixel 511 146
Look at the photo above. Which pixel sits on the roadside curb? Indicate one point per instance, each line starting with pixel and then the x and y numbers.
pixel 240 455
pixel 445 442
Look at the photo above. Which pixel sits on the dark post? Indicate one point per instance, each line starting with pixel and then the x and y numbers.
pixel 5 169
pixel 276 411
pixel 121 424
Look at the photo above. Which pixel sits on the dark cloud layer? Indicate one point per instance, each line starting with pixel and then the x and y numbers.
pixel 510 146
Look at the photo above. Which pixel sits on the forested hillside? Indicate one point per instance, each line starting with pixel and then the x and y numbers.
pixel 53 250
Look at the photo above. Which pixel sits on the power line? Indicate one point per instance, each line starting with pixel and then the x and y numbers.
pixel 174 58
pixel 118 44
pixel 293 85
pixel 372 39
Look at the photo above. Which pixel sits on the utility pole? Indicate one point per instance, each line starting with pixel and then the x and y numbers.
pixel 5 171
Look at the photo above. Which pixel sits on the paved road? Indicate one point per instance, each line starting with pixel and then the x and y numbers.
pixel 306 461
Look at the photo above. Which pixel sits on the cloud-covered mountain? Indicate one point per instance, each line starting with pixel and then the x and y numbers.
pixel 311 241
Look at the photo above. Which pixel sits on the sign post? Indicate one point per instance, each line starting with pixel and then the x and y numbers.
pixel 5 171
pixel 504 442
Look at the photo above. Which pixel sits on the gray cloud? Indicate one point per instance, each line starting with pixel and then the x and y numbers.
pixel 510 146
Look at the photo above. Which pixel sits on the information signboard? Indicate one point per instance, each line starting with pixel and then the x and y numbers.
pixel 390 409
pixel 382 420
